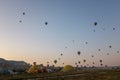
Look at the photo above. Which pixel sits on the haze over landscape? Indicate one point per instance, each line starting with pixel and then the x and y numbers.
pixel 42 30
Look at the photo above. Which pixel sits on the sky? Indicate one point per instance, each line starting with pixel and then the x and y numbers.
pixel 70 26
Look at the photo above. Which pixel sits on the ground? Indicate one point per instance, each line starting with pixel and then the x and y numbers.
pixel 113 74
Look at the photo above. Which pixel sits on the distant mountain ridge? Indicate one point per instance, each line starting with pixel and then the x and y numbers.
pixel 13 65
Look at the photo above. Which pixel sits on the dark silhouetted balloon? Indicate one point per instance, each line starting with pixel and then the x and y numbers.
pixel 47 62
pixel 99 49
pixel 79 62
pixel 20 21
pixel 46 23
pixel 61 54
pixel 78 52
pixel 86 42
pixel 101 64
pixel 117 51
pixel 100 61
pixel 75 63
pixel 107 53
pixel 113 28
pixel 55 61
pixel 110 46
pixel 92 56
pixel 84 60
pixel 23 13
pixel 95 23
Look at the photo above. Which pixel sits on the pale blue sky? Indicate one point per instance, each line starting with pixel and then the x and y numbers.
pixel 68 20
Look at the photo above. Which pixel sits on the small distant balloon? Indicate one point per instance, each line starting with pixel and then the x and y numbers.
pixel 113 28
pixel 58 58
pixel 61 54
pixel 107 53
pixel 79 62
pixel 100 61
pixel 117 51
pixel 92 56
pixel 55 61
pixel 84 60
pixel 78 52
pixel 73 41
pixel 101 64
pixel 75 63
pixel 23 13
pixel 99 49
pixel 86 42
pixel 110 46
pixel 94 30
pixel 47 62
pixel 103 29
pixel 95 23
pixel 20 21
pixel 66 47
pixel 46 23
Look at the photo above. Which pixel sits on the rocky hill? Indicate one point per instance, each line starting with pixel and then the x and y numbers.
pixel 13 65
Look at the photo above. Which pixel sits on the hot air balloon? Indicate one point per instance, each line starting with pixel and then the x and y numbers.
pixel 79 62
pixel 78 52
pixel 58 58
pixel 92 56
pixel 61 54
pixel 84 60
pixel 46 23
pixel 113 28
pixel 75 63
pixel 66 47
pixel 20 21
pixel 55 61
pixel 103 29
pixel 86 42
pixel 117 51
pixel 23 13
pixel 110 46
pixel 99 49
pixel 101 64
pixel 95 23
pixel 73 41
pixel 100 61
pixel 94 30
